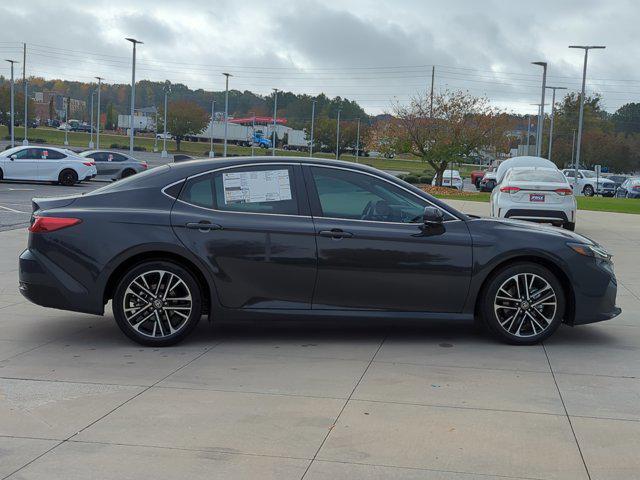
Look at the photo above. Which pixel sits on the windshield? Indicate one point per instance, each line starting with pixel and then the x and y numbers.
pixel 588 174
pixel 549 176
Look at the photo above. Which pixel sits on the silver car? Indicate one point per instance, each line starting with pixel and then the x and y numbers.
pixel 114 165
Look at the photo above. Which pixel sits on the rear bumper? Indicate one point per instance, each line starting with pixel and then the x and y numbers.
pixel 45 284
pixel 538 215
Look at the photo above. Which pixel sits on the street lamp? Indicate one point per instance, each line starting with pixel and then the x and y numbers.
pixel 98 113
pixel 167 91
pixel 213 107
pixel 541 116
pixel 91 122
pixel 25 142
pixel 553 108
pixel 338 134
pixel 134 42
pixel 313 114
pixel 226 111
pixel 275 110
pixel 358 141
pixel 13 137
pixel 586 49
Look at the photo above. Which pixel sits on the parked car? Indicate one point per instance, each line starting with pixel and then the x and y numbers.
pixel 450 178
pixel 488 182
pixel 617 179
pixel 114 165
pixel 65 126
pixel 537 194
pixel 48 164
pixel 278 237
pixel 161 136
pixel 591 184
pixel 83 127
pixel 629 189
pixel 476 178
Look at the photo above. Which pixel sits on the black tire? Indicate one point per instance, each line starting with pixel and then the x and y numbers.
pixel 127 173
pixel 588 191
pixel 1 175
pixel 146 332
pixel 68 177
pixel 526 330
pixel 569 226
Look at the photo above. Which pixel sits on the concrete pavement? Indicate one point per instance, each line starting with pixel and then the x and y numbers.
pixel 324 401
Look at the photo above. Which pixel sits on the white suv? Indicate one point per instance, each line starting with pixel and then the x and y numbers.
pixel 539 194
pixel 450 178
pixel 46 164
pixel 589 184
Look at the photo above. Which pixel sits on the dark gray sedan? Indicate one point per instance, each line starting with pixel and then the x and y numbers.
pixel 629 189
pixel 115 165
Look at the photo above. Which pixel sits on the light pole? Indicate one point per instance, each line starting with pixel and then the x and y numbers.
pixel 338 135
pixel 553 109
pixel 541 116
pixel 313 115
pixel 26 91
pixel 66 122
pixel 358 141
pixel 134 42
pixel 528 133
pixel 253 134
pixel 91 123
pixel 212 154
pixel 98 114
pixel 167 91
pixel 226 111
pixel 275 111
pixel 155 129
pixel 13 127
pixel 586 49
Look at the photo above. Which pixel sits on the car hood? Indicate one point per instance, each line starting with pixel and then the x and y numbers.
pixel 534 229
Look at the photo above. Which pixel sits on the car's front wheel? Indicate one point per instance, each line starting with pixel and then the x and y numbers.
pixel 157 303
pixel 523 304
pixel 588 191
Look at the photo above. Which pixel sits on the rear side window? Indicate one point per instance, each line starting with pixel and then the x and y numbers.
pixel 537 176
pixel 250 189
pixel 53 155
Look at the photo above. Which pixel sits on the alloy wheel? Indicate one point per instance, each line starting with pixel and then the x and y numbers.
pixel 525 305
pixel 157 304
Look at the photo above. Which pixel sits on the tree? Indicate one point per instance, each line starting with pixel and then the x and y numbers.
pixel 184 118
pixel 111 117
pixel 458 125
pixel 627 118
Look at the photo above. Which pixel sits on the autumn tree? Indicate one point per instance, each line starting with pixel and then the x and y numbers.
pixel 184 118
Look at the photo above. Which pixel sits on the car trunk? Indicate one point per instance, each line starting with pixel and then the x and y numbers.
pixel 537 193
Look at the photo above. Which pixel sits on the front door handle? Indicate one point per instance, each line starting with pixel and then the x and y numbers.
pixel 203 226
pixel 335 233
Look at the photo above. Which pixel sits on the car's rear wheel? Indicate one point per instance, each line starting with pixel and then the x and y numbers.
pixel 157 303
pixel 127 173
pixel 68 177
pixel 523 304
pixel 588 191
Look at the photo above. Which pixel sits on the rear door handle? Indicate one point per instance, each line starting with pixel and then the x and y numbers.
pixel 335 233
pixel 203 226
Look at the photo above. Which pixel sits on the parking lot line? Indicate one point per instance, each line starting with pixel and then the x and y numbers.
pixel 12 210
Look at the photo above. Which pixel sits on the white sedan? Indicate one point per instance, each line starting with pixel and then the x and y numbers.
pixel 46 164
pixel 450 178
pixel 539 194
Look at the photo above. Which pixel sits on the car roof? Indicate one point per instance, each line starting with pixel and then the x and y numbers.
pixel 549 169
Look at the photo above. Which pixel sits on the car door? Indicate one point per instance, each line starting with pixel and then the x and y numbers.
pixel 373 253
pixel 251 225
pixel 112 163
pixel 22 165
pixel 50 164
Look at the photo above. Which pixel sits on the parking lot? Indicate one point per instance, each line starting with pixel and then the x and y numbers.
pixel 315 401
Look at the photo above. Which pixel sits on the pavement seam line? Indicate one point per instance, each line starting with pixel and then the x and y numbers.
pixel 112 410
pixel 343 407
pixel 575 437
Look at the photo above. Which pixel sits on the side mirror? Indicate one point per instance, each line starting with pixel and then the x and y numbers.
pixel 432 216
pixel 12 156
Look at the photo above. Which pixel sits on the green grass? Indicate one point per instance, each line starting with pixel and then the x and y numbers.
pixel 598 204
pixel 81 139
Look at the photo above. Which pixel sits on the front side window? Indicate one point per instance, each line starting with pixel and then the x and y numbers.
pixel 29 154
pixel 254 190
pixel 357 196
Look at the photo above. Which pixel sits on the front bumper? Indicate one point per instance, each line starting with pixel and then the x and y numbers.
pixel 595 294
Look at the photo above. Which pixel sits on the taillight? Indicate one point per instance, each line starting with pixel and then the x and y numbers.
pixel 88 164
pixel 510 189
pixel 564 191
pixel 636 188
pixel 144 165
pixel 51 224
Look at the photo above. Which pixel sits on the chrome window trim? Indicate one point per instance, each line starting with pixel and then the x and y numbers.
pixel 266 164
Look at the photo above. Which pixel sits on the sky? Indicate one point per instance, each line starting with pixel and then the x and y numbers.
pixel 374 52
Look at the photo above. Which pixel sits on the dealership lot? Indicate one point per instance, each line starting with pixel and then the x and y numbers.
pixel 435 401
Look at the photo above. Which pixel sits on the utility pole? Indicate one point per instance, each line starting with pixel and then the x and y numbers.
pixel 98 114
pixel 313 115
pixel 24 83
pixel 167 91
pixel 528 133
pixel 91 123
pixel 13 125
pixel 338 135
pixel 541 114
pixel 553 109
pixel 358 141
pixel 275 111
pixel 133 93
pixel 253 135
pixel 226 111
pixel 433 75
pixel 212 154
pixel 586 49
pixel 66 122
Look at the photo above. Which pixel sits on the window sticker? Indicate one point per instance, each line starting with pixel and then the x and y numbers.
pixel 256 186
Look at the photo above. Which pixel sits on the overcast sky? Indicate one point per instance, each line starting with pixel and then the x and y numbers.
pixel 374 52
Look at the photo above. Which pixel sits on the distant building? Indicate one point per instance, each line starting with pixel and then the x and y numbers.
pixel 51 105
pixel 144 119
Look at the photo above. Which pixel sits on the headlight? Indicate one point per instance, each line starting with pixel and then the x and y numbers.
pixel 594 251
